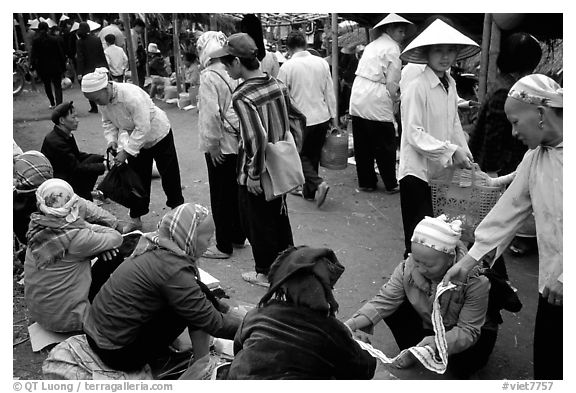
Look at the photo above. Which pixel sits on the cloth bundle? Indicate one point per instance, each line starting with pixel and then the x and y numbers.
pixel 425 354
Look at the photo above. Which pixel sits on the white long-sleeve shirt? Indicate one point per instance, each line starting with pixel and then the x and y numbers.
pixel 131 109
pixel 538 188
pixel 377 81
pixel 310 85
pixel 431 127
pixel 117 60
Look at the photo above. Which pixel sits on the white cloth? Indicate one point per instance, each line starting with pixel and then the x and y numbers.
pixel 117 60
pixel 310 86
pixel 377 80
pixel 431 127
pixel 538 188
pixel 425 354
pixel 270 65
pixel 131 109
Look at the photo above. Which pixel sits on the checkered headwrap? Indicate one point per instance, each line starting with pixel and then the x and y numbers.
pixel 31 169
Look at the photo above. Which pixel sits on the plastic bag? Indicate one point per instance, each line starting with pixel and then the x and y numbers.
pixel 122 185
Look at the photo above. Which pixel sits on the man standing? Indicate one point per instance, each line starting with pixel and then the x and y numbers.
pixel 79 169
pixel 261 104
pixel 127 108
pixel 310 85
pixel 138 45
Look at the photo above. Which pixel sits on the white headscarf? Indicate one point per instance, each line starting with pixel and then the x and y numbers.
pixel 95 81
pixel 538 89
pixel 438 233
pixel 55 197
pixel 207 43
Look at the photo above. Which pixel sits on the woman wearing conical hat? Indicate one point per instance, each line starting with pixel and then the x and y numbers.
pixel 374 91
pixel 432 137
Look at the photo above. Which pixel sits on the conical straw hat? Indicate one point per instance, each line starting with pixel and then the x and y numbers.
pixel 74 27
pixel 439 32
pixel 392 18
pixel 50 22
pixel 93 25
pixel 63 17
pixel 34 23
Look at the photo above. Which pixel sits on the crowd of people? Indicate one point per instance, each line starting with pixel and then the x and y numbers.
pixel 133 308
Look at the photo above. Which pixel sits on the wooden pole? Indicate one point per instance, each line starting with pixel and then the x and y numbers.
pixel 484 57
pixel 131 50
pixel 15 35
pixel 23 31
pixel 495 36
pixel 177 52
pixel 335 62
pixel 146 43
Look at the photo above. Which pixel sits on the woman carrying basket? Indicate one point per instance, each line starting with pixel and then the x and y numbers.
pixel 535 108
pixel 433 138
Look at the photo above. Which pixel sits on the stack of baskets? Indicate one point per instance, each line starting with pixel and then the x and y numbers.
pixel 466 196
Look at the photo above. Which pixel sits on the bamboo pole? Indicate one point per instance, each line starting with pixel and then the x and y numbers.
pixel 131 50
pixel 15 35
pixel 335 62
pixel 146 43
pixel 484 57
pixel 23 31
pixel 177 52
pixel 495 36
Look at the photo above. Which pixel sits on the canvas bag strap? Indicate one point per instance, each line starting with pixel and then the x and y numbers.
pixel 220 109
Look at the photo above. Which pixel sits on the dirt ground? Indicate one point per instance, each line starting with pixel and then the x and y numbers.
pixel 364 230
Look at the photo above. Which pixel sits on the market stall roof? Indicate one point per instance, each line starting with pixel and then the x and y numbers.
pixel 284 19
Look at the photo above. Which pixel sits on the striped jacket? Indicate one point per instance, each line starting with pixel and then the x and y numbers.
pixel 262 106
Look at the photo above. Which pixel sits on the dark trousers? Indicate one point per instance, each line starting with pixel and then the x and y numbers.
pixel 83 184
pixel 407 329
pixel 266 225
pixel 141 70
pixel 312 142
pixel 224 202
pixel 164 153
pixel 374 140
pixel 415 203
pixel 548 341
pixel 151 343
pixel 55 80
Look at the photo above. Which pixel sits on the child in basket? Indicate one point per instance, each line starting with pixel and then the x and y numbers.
pixel 432 137
pixel 405 302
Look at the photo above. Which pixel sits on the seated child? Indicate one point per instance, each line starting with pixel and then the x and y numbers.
pixel 405 301
pixel 293 333
pixel 191 70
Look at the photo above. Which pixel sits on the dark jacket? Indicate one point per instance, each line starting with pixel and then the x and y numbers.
pixel 284 341
pixel 89 55
pixel 68 162
pixel 47 56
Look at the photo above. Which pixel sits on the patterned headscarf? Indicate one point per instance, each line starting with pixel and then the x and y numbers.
pixel 55 197
pixel 538 89
pixel 438 233
pixel 177 232
pixel 31 169
pixel 208 43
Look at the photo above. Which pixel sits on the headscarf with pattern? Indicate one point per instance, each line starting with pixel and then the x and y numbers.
pixel 538 89
pixel 438 233
pixel 31 169
pixel 208 43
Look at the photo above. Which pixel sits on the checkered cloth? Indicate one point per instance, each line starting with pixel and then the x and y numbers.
pixel 31 169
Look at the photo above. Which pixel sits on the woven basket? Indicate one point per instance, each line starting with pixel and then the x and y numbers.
pixel 334 154
pixel 463 195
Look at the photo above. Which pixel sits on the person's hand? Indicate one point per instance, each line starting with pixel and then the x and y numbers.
pixel 254 186
pixel 109 254
pixel 405 360
pixel 121 157
pixel 364 337
pixel 462 159
pixel 553 291
pixel 459 271
pixel 217 157
pixel 112 148
pixel 428 341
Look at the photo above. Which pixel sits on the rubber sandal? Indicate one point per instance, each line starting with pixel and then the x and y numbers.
pixel 256 279
pixel 213 252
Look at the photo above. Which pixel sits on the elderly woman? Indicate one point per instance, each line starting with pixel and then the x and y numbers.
pixel 405 301
pixel 155 294
pixel 219 134
pixel 534 107
pixel 62 239
pixel 294 334
pixel 126 107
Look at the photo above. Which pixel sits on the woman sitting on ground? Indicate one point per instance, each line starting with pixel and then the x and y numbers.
pixel 155 294
pixel 63 237
pixel 294 334
pixel 405 301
